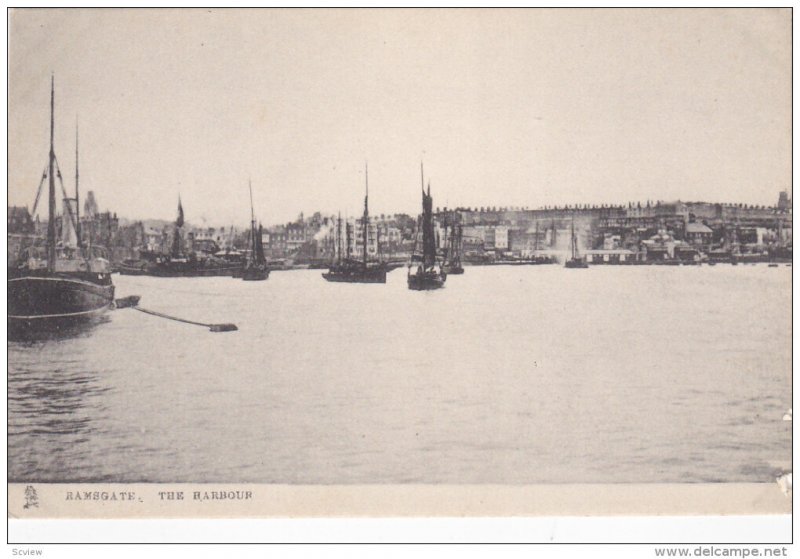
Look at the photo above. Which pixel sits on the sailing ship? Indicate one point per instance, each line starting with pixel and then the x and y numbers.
pixel 179 263
pixel 453 246
pixel 62 282
pixel 346 269
pixel 255 267
pixel 424 271
pixel 576 261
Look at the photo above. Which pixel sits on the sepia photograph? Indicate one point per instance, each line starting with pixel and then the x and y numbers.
pixel 399 262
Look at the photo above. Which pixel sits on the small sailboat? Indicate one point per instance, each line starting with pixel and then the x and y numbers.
pixel 347 269
pixel 255 266
pixel 576 261
pixel 62 282
pixel 424 271
pixel 453 247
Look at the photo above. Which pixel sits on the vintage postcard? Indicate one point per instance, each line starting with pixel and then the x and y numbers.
pixel 405 262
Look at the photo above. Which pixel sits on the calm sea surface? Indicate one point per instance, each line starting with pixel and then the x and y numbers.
pixel 531 374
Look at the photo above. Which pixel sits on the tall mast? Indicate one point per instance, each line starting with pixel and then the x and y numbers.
pixel 252 211
pixel 428 235
pixel 252 222
pixel 421 228
pixel 454 242
pixel 339 238
pixel 51 206
pixel 348 229
pixel 574 241
pixel 366 212
pixel 77 191
pixel 378 250
pixel 444 241
pixel 176 241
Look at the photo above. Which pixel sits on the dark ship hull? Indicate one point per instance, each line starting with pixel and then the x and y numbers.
pixel 524 261
pixel 576 263
pixel 177 270
pixel 346 274
pixel 454 269
pixel 44 300
pixel 425 281
pixel 254 273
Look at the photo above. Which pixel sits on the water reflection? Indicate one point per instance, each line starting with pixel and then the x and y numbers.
pixel 512 376
pixel 55 330
pixel 53 409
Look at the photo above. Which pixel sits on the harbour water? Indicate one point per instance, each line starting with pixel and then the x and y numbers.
pixel 529 374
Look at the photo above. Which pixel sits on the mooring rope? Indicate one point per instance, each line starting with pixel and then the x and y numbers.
pixel 212 327
pixel 133 303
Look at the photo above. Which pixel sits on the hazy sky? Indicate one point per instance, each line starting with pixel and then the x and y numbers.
pixel 510 107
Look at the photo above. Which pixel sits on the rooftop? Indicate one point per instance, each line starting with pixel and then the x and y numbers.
pixel 696 227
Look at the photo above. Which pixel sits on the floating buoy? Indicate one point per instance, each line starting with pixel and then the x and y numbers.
pixel 126 302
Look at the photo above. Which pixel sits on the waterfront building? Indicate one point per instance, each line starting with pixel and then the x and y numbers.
pixel 295 235
pixel 501 238
pixel 784 203
pixel 97 228
pixel 155 240
pixel 20 221
pixel 21 231
pixel 357 249
pixel 610 256
pixel 698 234
pixel 274 240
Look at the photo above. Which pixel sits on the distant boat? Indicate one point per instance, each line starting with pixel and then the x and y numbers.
pixel 255 267
pixel 346 269
pixel 178 263
pixel 453 243
pixel 62 282
pixel 424 272
pixel 575 260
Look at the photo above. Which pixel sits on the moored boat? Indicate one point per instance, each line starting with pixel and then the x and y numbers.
pixel 354 271
pixel 62 282
pixel 164 266
pixel 346 269
pixel 255 267
pixel 453 245
pixel 178 263
pixel 575 261
pixel 424 271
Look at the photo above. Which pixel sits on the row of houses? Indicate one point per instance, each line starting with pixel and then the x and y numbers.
pixel 486 231
pixel 318 237
pixel 700 225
